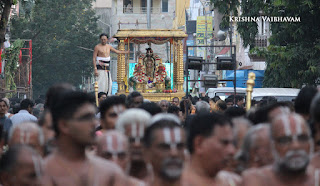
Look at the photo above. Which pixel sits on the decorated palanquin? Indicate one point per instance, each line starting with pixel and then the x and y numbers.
pixel 149 75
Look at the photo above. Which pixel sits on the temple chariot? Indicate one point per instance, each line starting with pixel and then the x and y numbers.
pixel 150 76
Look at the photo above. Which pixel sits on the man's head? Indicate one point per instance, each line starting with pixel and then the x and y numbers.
pixel 110 109
pixel 303 101
pixel 239 100
pixel 134 100
pixel 45 122
pixel 3 107
pixel 315 120
pixel 175 101
pixel 102 96
pixel 28 133
pixel 20 165
pixel 164 104
pixel 174 110
pixel 164 143
pixel 229 102
pixel 291 143
pixel 74 118
pixel 202 106
pixel 256 150
pixel 276 109
pixel 114 146
pixel 27 104
pixel 132 123
pixel 241 126
pixel 152 107
pixel 54 91
pixel 210 142
pixel 104 38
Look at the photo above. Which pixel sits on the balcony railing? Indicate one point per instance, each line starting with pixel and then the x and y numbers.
pixel 261 40
pixel 141 10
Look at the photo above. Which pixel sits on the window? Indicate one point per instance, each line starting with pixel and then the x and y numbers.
pixel 127 6
pixel 164 5
pixel 144 6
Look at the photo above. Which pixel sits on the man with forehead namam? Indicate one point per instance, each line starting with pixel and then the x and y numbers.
pixel 164 143
pixel 21 166
pixel 74 121
pixel 114 146
pixel 27 133
pixel 132 123
pixel 292 147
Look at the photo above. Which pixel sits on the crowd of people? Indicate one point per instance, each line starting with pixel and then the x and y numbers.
pixel 129 141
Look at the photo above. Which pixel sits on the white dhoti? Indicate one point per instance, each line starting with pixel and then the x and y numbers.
pixel 104 78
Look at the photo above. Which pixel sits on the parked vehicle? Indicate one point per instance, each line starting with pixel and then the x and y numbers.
pixel 281 94
pixel 224 92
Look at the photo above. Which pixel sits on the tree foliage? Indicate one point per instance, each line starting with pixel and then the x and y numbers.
pixel 5 7
pixel 12 62
pixel 293 55
pixel 57 28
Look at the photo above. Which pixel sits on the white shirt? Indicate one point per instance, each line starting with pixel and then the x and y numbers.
pixel 22 116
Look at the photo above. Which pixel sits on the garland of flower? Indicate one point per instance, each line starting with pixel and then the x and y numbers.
pixel 162 76
pixel 139 73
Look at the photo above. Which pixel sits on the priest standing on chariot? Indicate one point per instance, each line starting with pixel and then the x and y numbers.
pixel 101 64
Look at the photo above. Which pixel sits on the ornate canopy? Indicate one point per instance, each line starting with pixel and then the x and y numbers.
pixel 155 34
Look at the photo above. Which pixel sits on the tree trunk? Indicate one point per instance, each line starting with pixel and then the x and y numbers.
pixel 4 20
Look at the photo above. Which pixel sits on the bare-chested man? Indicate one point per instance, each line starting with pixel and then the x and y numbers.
pixel 292 147
pixel 132 123
pixel 101 63
pixel 20 165
pixel 74 122
pixel 114 146
pixel 164 143
pixel 210 143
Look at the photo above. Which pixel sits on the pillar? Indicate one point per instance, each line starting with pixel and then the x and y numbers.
pixel 121 68
pixel 180 69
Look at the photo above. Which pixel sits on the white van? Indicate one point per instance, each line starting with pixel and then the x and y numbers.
pixel 224 92
pixel 281 94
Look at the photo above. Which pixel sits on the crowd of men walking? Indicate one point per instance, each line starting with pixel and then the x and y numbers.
pixel 129 141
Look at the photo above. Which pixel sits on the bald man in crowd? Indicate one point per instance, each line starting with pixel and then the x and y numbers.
pixel 27 133
pixel 164 105
pixel 74 121
pixel 132 123
pixel 210 143
pixel 114 146
pixel 164 143
pixel 256 148
pixel 20 166
pixel 292 147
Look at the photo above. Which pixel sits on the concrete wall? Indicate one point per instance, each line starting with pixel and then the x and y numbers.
pixel 102 4
pixel 162 20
